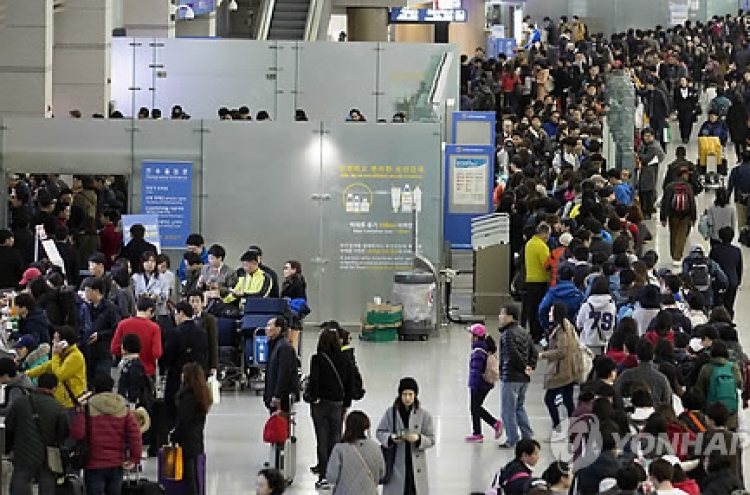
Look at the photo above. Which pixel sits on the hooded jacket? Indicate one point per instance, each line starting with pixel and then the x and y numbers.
pixel 35 358
pixel 112 428
pixel 18 386
pixel 477 364
pixel 596 320
pixel 564 292
pixel 564 361
pixel 23 435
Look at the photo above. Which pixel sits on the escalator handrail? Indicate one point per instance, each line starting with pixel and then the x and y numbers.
pixel 266 14
pixel 312 26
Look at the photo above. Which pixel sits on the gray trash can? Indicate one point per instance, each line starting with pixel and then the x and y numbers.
pixel 415 291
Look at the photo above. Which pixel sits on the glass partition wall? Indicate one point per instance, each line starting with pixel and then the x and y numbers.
pixel 335 196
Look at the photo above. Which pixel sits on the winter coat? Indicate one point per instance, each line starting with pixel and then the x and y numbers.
pixel 477 364
pixel 517 351
pixel 721 483
pixel 648 173
pixel 69 366
pixel 191 424
pixel 729 259
pixel 281 371
pixel 553 261
pixel 647 372
pixel 35 324
pixel 324 384
pixel 18 386
pixel 564 292
pixel 35 358
pixel 420 422
pixel 22 435
pixel 605 466
pixel 667 209
pixel 643 317
pixel 715 129
pixel 564 361
pixel 112 428
pixel 104 320
pixel 356 467
pixel 736 121
pixel 596 320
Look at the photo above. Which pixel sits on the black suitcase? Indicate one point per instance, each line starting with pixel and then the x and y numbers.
pixel 266 305
pixel 141 486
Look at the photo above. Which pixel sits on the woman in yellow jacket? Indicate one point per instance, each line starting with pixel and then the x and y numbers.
pixel 67 364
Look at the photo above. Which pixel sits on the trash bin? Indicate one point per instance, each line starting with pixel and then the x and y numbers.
pixel 415 290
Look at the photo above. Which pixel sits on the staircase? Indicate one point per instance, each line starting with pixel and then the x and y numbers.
pixel 289 19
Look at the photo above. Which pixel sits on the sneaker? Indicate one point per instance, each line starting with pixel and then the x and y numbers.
pixel 322 484
pixel 474 439
pixel 507 445
pixel 498 428
pixel 676 263
pixel 314 469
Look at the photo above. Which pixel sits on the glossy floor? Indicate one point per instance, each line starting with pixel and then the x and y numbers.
pixel 236 452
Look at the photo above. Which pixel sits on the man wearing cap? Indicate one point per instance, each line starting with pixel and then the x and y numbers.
pixel 28 275
pixel 679 209
pixel 34 321
pixel 29 355
pixel 695 262
pixel 11 262
pixel 97 270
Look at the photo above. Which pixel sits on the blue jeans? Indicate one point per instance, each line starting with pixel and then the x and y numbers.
pixel 107 481
pixel 513 411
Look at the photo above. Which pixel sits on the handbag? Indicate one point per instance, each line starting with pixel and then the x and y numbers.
pixel 389 454
pixel 172 465
pixel 276 429
pixel 53 454
pixel 215 389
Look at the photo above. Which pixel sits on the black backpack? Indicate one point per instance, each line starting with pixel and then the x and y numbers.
pixel 700 275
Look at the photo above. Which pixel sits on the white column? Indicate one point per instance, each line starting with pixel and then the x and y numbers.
pixel 148 18
pixel 202 26
pixel 83 42
pixel 26 58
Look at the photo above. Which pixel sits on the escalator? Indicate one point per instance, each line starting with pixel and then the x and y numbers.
pixel 293 20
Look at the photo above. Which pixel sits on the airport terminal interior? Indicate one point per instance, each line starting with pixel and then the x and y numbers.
pixel 394 170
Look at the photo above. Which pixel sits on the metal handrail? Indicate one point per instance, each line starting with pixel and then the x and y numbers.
pixel 266 14
pixel 314 15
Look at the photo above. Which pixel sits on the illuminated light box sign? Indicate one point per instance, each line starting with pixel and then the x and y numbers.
pixel 401 14
pixel 200 7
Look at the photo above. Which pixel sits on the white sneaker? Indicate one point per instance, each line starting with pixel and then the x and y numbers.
pixel 676 264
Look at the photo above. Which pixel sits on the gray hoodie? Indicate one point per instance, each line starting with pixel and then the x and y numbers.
pixel 18 386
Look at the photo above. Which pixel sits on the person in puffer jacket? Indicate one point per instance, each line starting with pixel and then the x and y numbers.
pixel 564 292
pixel 29 354
pixel 482 345
pixel 597 317
pixel 112 430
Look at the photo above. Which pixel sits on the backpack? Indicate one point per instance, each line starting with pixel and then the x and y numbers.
pixel 491 369
pixel 700 275
pixel 499 482
pixel 721 387
pixel 680 198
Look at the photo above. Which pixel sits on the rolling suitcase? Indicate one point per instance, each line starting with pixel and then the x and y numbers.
pixel 266 305
pixel 172 487
pixel 132 485
pixel 284 455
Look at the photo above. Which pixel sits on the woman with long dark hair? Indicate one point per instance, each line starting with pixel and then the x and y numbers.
pixel 407 428
pixel 565 365
pixel 330 390
pixel 294 286
pixel 356 464
pixel 193 401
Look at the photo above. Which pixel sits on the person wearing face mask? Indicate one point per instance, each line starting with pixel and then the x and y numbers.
pixel 407 428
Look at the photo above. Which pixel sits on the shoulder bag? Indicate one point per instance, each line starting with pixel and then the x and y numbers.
pixel 52 454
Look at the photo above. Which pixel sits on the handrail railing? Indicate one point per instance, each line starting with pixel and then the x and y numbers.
pixel 314 15
pixel 266 14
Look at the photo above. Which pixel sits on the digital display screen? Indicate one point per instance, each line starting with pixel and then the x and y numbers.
pixel 400 14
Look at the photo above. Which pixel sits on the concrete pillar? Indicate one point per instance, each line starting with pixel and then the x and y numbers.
pixel 202 26
pixel 366 24
pixel 414 33
pixel 83 42
pixel 148 18
pixel 26 58
pixel 470 34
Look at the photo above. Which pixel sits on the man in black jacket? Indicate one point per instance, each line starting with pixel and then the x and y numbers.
pixel 67 253
pixel 101 318
pixel 518 357
pixel 739 185
pixel 11 262
pixel 137 246
pixel 187 343
pixel 34 422
pixel 281 372
pixel 34 320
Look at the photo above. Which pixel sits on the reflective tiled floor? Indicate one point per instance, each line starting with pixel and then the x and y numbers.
pixel 236 452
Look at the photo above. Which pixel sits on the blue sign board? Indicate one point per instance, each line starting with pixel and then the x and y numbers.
pixel 149 222
pixel 166 191
pixel 469 187
pixel 407 15
pixel 496 46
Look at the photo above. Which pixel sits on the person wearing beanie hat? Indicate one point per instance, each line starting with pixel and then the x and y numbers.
pixel 406 431
pixel 481 363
